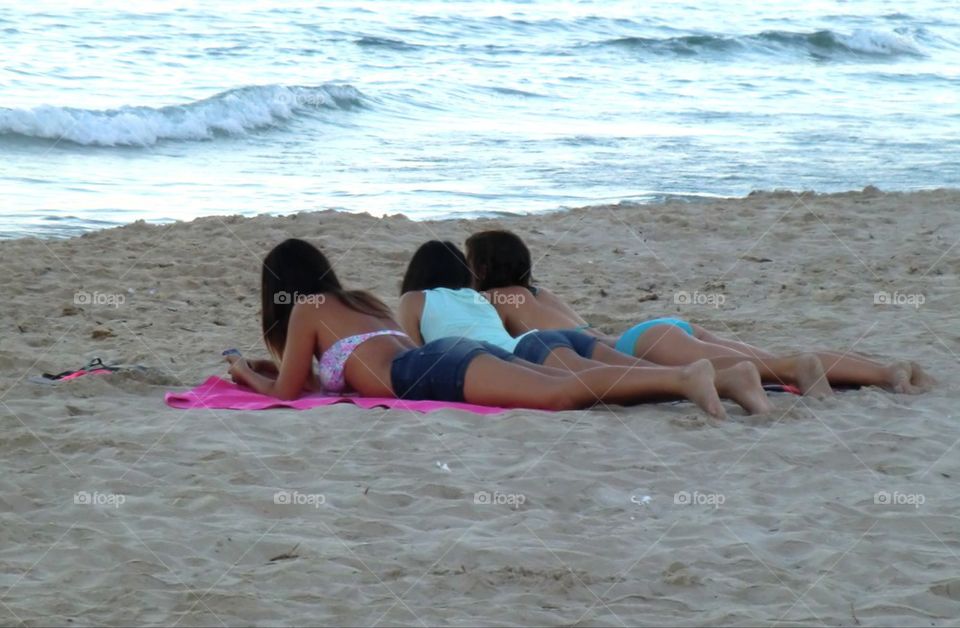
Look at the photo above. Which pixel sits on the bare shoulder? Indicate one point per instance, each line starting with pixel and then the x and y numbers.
pixel 511 291
pixel 550 300
pixel 311 307
pixel 412 300
pixel 511 302
pixel 545 295
pixel 308 315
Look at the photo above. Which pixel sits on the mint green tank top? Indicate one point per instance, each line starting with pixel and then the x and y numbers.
pixel 463 313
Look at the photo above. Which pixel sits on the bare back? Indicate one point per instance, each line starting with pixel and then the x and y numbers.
pixel 321 324
pixel 522 311
pixel 336 321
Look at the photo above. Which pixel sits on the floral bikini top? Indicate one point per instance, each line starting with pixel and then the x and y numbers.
pixel 334 359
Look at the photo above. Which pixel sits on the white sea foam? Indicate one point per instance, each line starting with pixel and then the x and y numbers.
pixel 232 112
pixel 879 42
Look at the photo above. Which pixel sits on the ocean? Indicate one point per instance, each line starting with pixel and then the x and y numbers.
pixel 114 112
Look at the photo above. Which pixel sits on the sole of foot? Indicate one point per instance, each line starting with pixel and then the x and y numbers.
pixel 811 378
pixel 698 386
pixel 742 384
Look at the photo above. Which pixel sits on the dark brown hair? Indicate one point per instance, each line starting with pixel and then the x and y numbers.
pixel 437 264
pixel 499 259
pixel 295 269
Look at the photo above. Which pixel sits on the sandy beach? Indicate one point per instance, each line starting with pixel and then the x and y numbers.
pixel 840 512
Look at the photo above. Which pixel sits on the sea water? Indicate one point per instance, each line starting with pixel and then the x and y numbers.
pixel 112 112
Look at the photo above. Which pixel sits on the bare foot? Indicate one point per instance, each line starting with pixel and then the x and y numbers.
pixel 920 378
pixel 696 381
pixel 741 383
pixel 810 377
pixel 900 379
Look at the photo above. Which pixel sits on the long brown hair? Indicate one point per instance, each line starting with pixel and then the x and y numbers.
pixel 499 259
pixel 294 270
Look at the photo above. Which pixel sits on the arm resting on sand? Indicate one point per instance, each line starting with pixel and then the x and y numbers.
pixel 263 367
pixel 296 366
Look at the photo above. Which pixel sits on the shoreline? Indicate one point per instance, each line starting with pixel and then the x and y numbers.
pixel 827 495
pixel 653 198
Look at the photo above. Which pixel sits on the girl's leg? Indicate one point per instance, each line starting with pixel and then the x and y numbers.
pixel 707 336
pixel 566 359
pixel 672 346
pixel 491 381
pixel 609 355
pixel 857 370
pixel 739 382
pixel 844 368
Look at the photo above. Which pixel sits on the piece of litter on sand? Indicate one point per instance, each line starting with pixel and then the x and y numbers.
pixel 443 466
pixel 289 555
pixel 640 499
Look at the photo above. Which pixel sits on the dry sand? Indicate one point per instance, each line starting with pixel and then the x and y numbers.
pixel 785 527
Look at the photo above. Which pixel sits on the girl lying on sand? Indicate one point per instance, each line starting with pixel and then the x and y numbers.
pixel 306 313
pixel 437 302
pixel 502 268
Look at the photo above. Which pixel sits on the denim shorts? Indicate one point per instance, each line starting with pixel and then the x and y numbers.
pixel 536 346
pixel 437 370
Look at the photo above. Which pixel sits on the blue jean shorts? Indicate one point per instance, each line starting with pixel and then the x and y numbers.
pixel 536 346
pixel 437 370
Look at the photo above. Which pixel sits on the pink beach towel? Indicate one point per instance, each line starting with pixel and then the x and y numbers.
pixel 218 393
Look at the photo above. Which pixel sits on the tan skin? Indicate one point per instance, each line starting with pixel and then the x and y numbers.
pixel 813 372
pixel 315 326
pixel 739 382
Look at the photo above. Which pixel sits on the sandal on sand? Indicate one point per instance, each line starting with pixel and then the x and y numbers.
pixel 783 388
pixel 93 367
